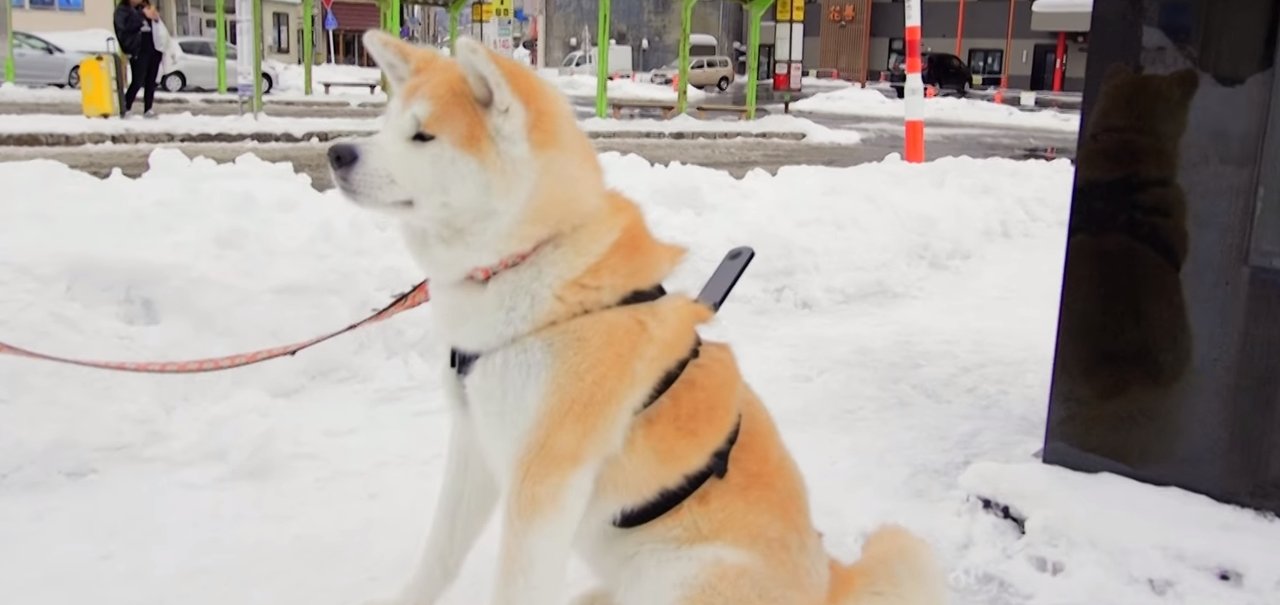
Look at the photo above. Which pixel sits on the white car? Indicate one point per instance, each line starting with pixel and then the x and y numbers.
pixel 38 62
pixel 196 67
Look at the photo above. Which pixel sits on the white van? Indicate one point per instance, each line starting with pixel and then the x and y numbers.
pixel 584 63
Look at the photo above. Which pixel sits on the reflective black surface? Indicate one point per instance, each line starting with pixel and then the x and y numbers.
pixel 1167 366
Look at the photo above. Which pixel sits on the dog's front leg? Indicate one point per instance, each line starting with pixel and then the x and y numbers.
pixel 542 515
pixel 467 499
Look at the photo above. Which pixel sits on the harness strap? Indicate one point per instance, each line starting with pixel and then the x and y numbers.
pixel 462 361
pixel 717 467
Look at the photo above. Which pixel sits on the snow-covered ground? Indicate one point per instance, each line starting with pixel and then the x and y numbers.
pixel 181 122
pixel 187 123
pixel 900 330
pixel 638 90
pixel 858 101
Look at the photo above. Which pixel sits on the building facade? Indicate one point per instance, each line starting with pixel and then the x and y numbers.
pixel 61 15
pixel 863 39
pixel 859 39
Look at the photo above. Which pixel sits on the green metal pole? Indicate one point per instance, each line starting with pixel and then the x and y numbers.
pixel 9 75
pixel 308 53
pixel 758 7
pixel 686 29
pixel 455 9
pixel 257 55
pixel 602 59
pixel 221 45
pixel 395 18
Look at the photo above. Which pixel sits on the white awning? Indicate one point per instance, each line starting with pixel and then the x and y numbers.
pixel 1061 15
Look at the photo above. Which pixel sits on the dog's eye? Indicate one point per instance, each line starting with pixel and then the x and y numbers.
pixel 422 137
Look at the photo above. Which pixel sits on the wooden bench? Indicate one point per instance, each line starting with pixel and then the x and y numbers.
pixel 372 86
pixel 703 109
pixel 616 106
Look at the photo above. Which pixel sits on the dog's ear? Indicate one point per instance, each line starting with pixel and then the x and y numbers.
pixel 487 85
pixel 394 56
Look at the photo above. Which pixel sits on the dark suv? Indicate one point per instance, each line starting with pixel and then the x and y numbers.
pixel 946 71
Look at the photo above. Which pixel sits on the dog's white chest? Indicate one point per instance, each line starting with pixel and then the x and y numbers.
pixel 504 393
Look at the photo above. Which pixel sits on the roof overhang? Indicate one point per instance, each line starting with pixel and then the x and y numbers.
pixel 1061 15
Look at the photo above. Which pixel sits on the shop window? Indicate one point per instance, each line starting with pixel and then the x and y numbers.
pixel 280 36
pixel 897 53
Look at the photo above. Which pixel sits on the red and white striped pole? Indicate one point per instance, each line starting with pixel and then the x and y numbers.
pixel 913 90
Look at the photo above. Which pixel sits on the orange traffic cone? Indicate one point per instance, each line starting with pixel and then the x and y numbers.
pixel 930 91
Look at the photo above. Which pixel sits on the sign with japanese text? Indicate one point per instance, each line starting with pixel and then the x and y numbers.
pixel 842 13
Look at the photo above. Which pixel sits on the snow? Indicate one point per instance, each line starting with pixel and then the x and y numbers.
pixel 636 90
pixel 777 123
pixel 878 323
pixel 1123 528
pixel 187 123
pixel 182 122
pixel 856 101
pixel 1062 6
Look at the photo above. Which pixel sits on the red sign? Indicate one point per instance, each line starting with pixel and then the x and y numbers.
pixel 328 4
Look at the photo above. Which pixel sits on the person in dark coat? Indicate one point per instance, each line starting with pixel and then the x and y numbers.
pixel 134 21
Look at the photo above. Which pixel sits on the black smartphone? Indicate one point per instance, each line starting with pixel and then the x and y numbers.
pixel 725 277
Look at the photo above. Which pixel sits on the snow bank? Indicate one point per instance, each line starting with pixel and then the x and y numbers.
pixel 813 132
pixel 184 122
pixel 898 322
pixel 585 86
pixel 187 123
pixel 856 101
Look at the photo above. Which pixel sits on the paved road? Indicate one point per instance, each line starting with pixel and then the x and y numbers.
pixel 880 138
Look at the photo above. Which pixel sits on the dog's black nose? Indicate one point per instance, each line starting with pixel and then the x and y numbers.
pixel 343 155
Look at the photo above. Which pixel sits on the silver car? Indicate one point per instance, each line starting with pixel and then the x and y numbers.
pixel 38 62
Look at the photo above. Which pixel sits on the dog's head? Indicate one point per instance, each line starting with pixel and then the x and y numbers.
pixel 479 156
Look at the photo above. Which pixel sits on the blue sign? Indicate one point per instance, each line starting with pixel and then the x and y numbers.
pixel 330 21
pixel 519 16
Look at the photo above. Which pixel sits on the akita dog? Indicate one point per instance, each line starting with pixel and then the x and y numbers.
pixel 582 397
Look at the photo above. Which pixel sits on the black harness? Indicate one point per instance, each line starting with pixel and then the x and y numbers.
pixel 669 499
pixel 1112 206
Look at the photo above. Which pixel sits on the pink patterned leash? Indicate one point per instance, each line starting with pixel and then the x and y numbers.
pixel 413 298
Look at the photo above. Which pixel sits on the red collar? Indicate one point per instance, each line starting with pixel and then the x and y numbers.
pixel 484 274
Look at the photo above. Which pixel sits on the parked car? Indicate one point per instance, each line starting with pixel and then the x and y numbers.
pixel 38 62
pixel 584 63
pixel 946 71
pixel 704 72
pixel 196 67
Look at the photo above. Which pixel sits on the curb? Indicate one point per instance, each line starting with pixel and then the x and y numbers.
pixel 49 139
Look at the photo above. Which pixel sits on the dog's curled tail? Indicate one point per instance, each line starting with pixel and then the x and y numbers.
pixel 896 568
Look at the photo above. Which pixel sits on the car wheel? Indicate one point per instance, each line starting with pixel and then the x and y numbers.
pixel 174 82
pixel 962 89
pixel 723 84
pixel 73 78
pixel 267 83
